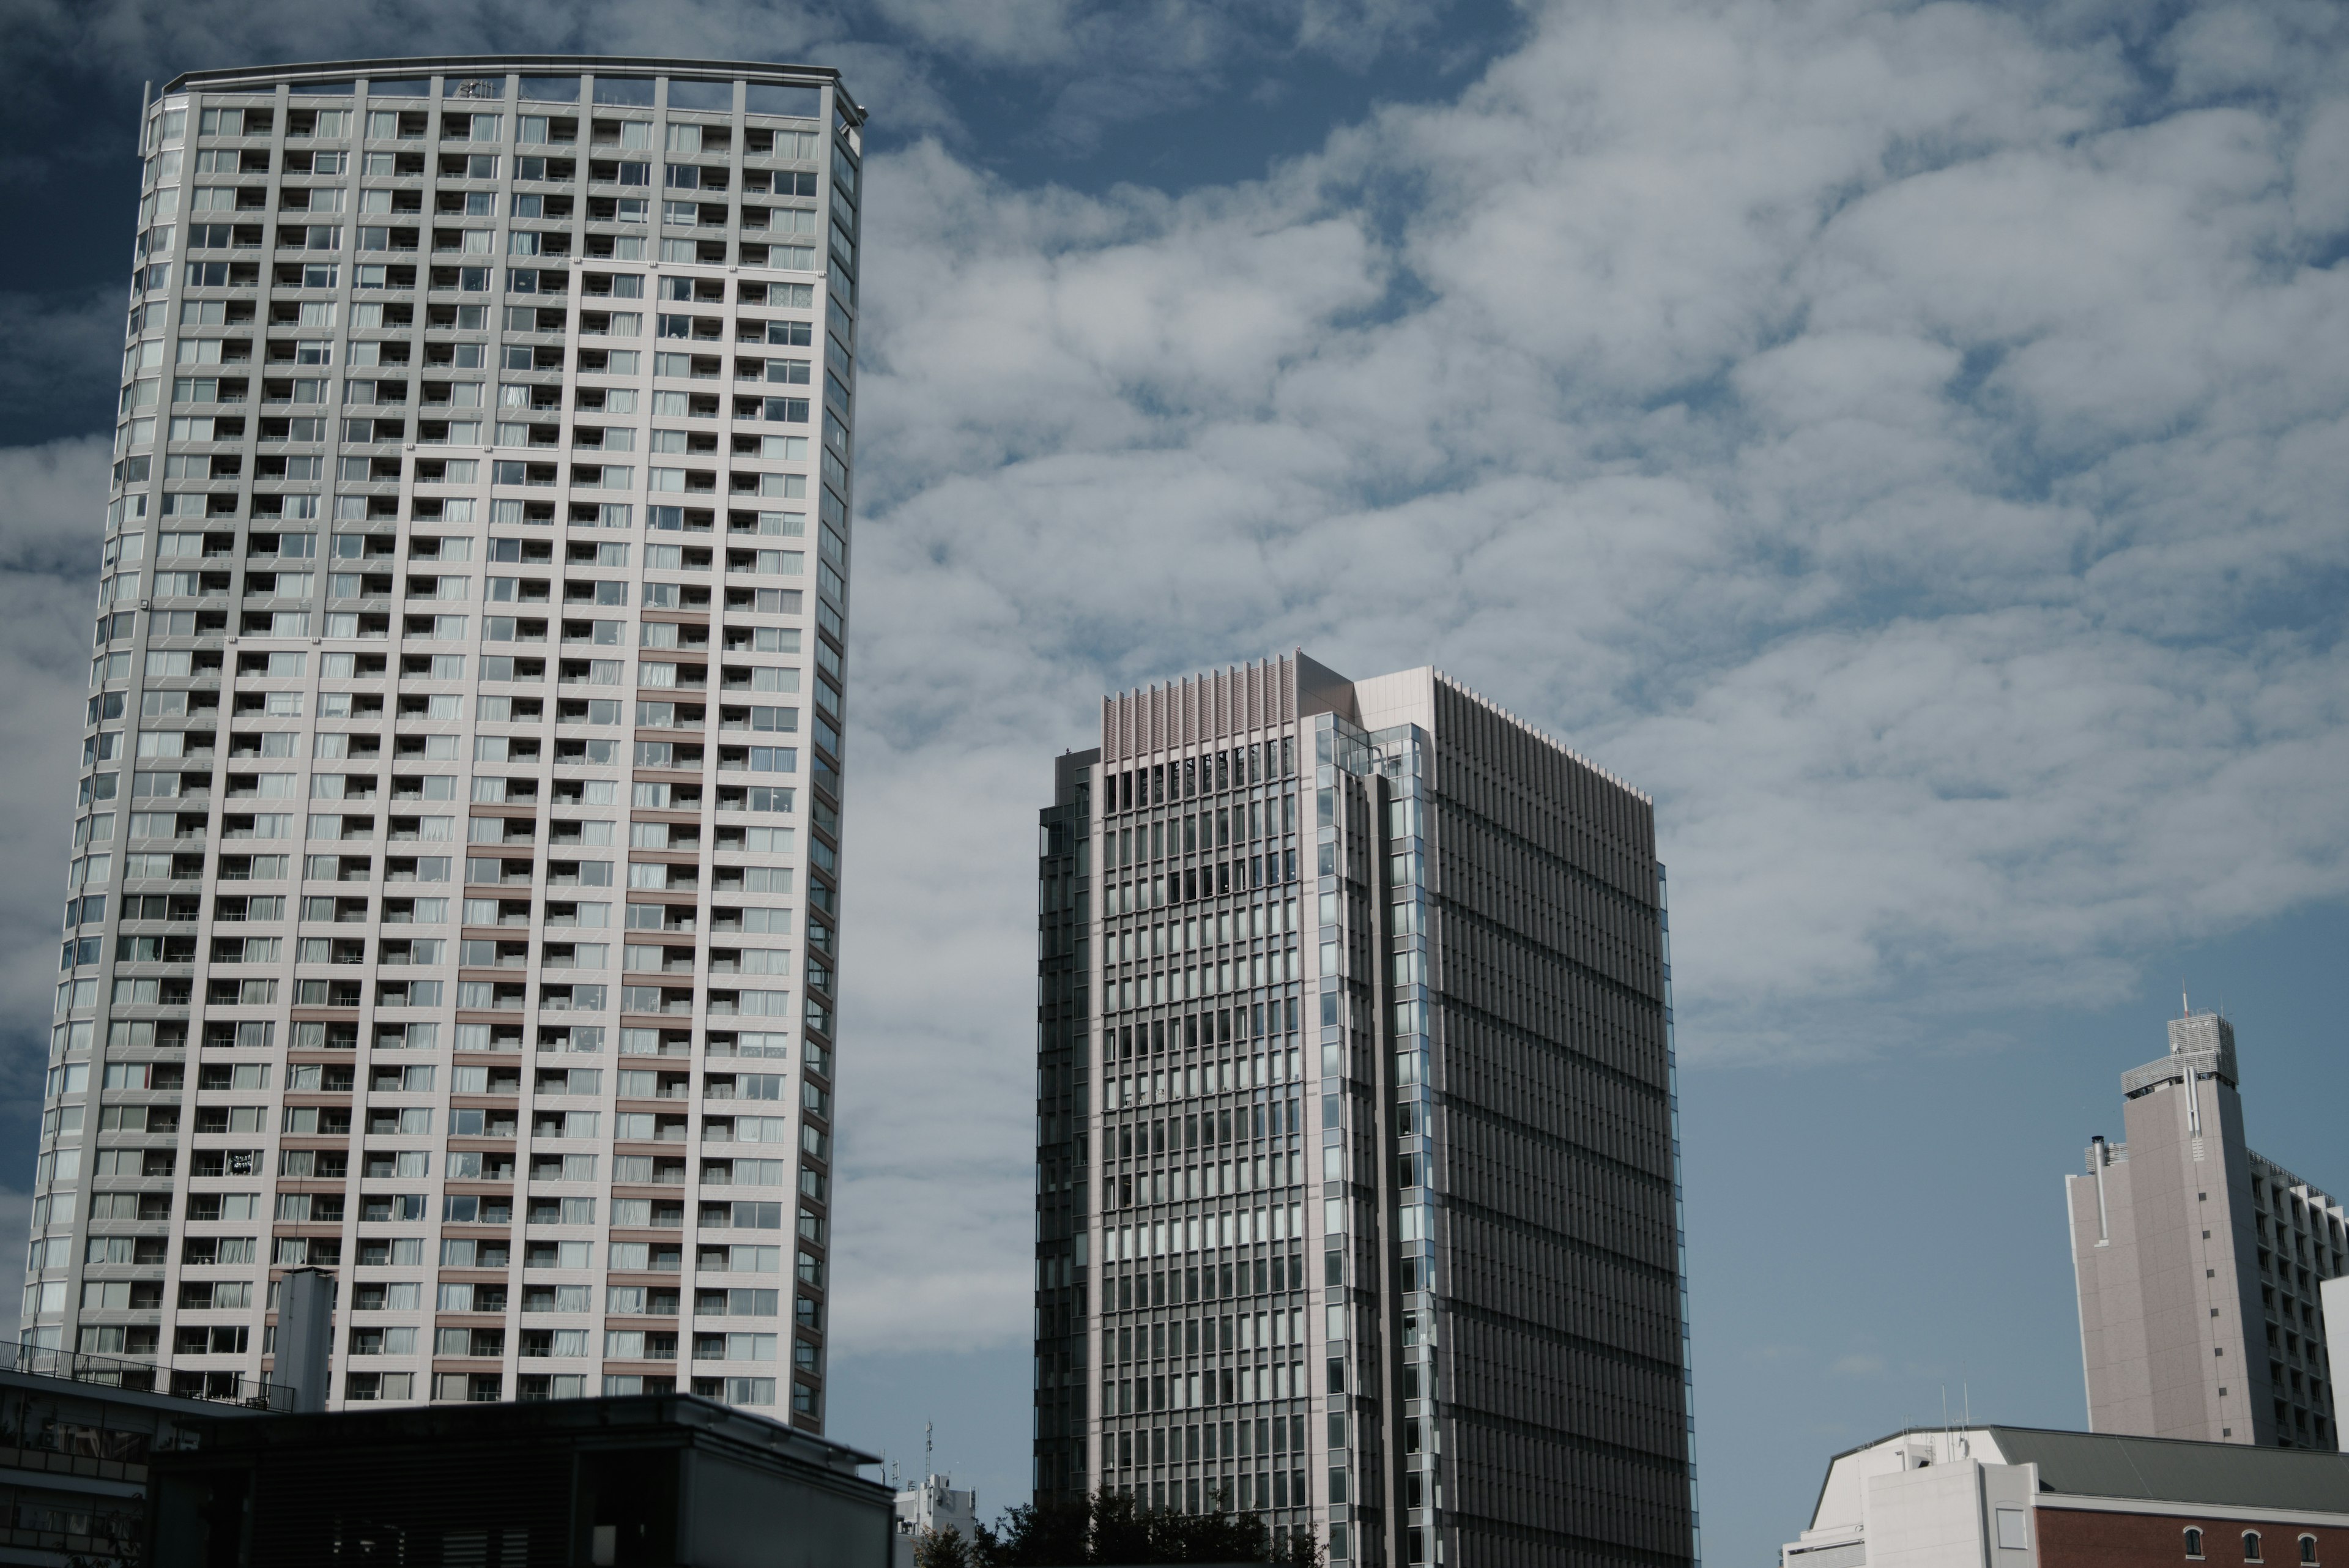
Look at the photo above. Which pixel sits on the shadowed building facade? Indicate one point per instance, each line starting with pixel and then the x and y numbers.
pixel 1358 1186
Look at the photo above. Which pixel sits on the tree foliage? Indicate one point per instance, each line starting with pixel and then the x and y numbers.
pixel 1109 1527
pixel 941 1549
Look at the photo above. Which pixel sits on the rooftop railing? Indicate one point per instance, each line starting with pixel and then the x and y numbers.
pixel 113 1372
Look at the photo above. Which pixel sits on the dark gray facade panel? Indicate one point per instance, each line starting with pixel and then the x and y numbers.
pixel 1439 936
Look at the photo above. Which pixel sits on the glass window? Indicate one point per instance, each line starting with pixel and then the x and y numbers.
pixel 716 96
pixel 802 102
pixel 636 90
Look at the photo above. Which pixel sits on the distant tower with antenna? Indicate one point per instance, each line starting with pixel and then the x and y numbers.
pixel 933 1503
pixel 2200 1264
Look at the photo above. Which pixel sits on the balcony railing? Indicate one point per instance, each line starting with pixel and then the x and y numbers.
pixel 223 1387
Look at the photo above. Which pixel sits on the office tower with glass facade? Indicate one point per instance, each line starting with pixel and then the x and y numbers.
pixel 2205 1269
pixel 455 885
pixel 1358 1186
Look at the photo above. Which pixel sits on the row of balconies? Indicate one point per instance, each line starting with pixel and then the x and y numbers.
pixel 386 129
pixel 208 391
pixel 397 317
pixel 178 990
pixel 490 1121
pixel 397 278
pixel 168 1076
pixel 390 352
pixel 480 871
pixel 632 1258
pixel 409 170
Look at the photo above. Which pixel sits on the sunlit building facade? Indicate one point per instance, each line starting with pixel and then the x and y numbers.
pixel 455 880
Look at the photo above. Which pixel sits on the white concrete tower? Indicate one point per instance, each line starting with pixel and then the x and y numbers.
pixel 455 884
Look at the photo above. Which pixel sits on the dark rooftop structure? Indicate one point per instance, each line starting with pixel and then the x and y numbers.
pixel 2176 1469
pixel 637 1482
pixel 77 1434
pixel 2171 1471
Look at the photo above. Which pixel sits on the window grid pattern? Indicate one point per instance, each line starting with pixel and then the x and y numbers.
pixel 456 853
pixel 1186 1367
pixel 1478 1286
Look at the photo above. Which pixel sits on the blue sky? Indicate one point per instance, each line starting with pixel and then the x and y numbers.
pixel 1908 440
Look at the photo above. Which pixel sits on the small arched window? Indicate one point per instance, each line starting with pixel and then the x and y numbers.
pixel 2308 1549
pixel 2250 1546
pixel 2194 1543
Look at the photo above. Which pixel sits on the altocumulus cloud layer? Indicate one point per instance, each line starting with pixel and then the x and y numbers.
pixel 1908 440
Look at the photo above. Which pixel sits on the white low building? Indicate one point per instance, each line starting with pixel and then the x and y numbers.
pixel 933 1505
pixel 2019 1497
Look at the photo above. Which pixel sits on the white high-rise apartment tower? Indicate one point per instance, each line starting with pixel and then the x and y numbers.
pixel 454 881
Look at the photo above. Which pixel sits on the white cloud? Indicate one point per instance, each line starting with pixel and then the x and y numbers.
pixel 49 569
pixel 1098 65
pixel 2320 174
pixel 15 1220
pixel 46 341
pixel 1907 443
pixel 1870 428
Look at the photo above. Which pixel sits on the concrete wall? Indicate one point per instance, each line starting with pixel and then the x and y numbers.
pixel 2168 1295
pixel 2112 1313
pixel 1950 1516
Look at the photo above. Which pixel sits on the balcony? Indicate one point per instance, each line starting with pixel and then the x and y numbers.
pixel 106 1371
